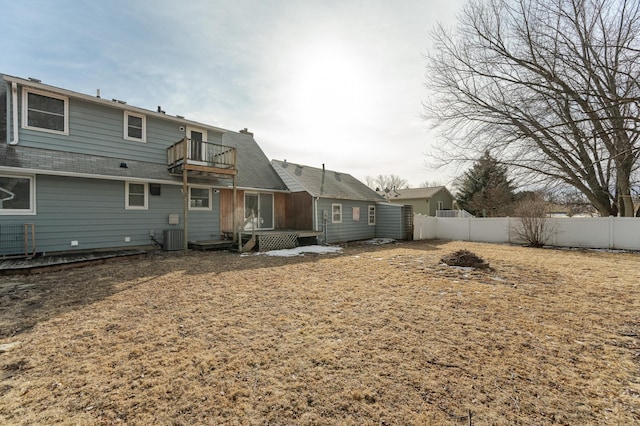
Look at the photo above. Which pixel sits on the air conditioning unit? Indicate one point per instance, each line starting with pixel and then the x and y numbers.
pixel 172 239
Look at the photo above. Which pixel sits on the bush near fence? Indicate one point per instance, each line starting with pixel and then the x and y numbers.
pixel 594 232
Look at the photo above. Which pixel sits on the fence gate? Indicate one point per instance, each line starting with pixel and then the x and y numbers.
pixel 18 240
pixel 407 222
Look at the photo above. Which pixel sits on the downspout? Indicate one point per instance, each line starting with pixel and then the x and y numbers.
pixel 315 213
pixel 14 100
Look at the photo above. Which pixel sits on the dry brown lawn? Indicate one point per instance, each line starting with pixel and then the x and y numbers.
pixel 373 335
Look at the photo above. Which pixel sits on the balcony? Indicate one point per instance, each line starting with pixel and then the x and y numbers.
pixel 202 158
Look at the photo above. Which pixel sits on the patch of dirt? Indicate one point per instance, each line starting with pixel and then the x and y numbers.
pixel 370 336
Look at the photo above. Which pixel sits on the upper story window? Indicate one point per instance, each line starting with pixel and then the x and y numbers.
pixel 136 196
pixel 372 215
pixel 135 127
pixel 336 213
pixel 199 198
pixel 17 195
pixel 45 111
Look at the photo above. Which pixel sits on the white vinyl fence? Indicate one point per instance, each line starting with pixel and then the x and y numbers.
pixel 593 232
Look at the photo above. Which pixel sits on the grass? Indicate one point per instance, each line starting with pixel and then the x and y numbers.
pixel 374 335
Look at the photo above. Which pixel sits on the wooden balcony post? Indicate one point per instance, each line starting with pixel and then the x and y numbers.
pixel 185 195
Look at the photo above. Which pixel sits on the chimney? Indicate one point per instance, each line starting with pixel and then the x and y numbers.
pixel 245 131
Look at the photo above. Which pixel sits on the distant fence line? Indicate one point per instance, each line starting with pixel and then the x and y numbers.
pixel 593 232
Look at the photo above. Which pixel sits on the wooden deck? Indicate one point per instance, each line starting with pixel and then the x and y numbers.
pixel 63 261
pixel 211 245
pixel 278 239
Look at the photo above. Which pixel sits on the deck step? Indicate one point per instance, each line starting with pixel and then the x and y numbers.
pixel 249 245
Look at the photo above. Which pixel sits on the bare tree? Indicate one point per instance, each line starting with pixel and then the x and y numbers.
pixel 553 86
pixel 386 182
pixel 430 184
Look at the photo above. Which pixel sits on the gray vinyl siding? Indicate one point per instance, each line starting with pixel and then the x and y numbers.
pixel 349 229
pixel 92 212
pixel 389 221
pixel 99 130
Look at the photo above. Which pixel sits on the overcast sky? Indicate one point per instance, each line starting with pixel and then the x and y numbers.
pixel 334 82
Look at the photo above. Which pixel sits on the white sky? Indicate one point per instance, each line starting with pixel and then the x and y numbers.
pixel 335 82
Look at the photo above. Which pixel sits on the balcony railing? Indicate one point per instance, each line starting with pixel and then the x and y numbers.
pixel 204 157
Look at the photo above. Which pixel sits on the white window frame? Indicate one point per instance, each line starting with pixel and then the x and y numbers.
pixel 32 196
pixel 333 217
pixel 370 216
pixel 128 114
pixel 210 198
pixel 25 110
pixel 127 206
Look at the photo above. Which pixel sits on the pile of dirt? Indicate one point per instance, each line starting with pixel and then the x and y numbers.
pixel 465 258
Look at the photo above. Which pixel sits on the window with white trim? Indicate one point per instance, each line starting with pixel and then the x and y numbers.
pixel 336 213
pixel 135 126
pixel 45 111
pixel 17 195
pixel 199 198
pixel 372 215
pixel 137 196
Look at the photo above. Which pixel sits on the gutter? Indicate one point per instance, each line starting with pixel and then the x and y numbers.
pixel 14 110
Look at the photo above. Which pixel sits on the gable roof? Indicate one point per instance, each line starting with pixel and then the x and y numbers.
pixel 324 183
pixel 413 193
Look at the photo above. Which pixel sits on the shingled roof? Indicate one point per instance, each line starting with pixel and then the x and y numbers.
pixel 254 169
pixel 323 183
pixel 413 193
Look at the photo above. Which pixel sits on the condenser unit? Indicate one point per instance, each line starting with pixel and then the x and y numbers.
pixel 172 239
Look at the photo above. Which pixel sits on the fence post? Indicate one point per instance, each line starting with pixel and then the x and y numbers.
pixel 611 229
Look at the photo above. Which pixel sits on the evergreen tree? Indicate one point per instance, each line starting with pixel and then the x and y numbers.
pixel 485 190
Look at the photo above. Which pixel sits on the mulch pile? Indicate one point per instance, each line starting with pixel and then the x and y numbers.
pixel 465 258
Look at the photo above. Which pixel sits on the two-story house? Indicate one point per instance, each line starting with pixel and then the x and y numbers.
pixel 83 173
pixel 78 172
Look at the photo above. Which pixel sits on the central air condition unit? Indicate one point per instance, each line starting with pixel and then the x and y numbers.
pixel 172 239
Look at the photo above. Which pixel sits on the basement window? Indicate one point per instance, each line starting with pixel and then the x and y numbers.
pixel 45 111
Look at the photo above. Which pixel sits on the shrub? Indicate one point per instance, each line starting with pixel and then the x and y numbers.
pixel 533 229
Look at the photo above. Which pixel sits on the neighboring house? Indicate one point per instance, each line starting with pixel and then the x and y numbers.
pixel 338 205
pixel 79 172
pixel 425 201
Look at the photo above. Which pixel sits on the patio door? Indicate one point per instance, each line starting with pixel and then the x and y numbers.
pixel 261 206
pixel 197 145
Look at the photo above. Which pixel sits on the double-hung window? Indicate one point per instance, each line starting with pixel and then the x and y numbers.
pixel 17 195
pixel 137 196
pixel 336 213
pixel 372 215
pixel 45 111
pixel 199 198
pixel 135 127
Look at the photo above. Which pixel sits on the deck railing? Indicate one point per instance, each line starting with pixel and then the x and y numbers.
pixel 201 154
